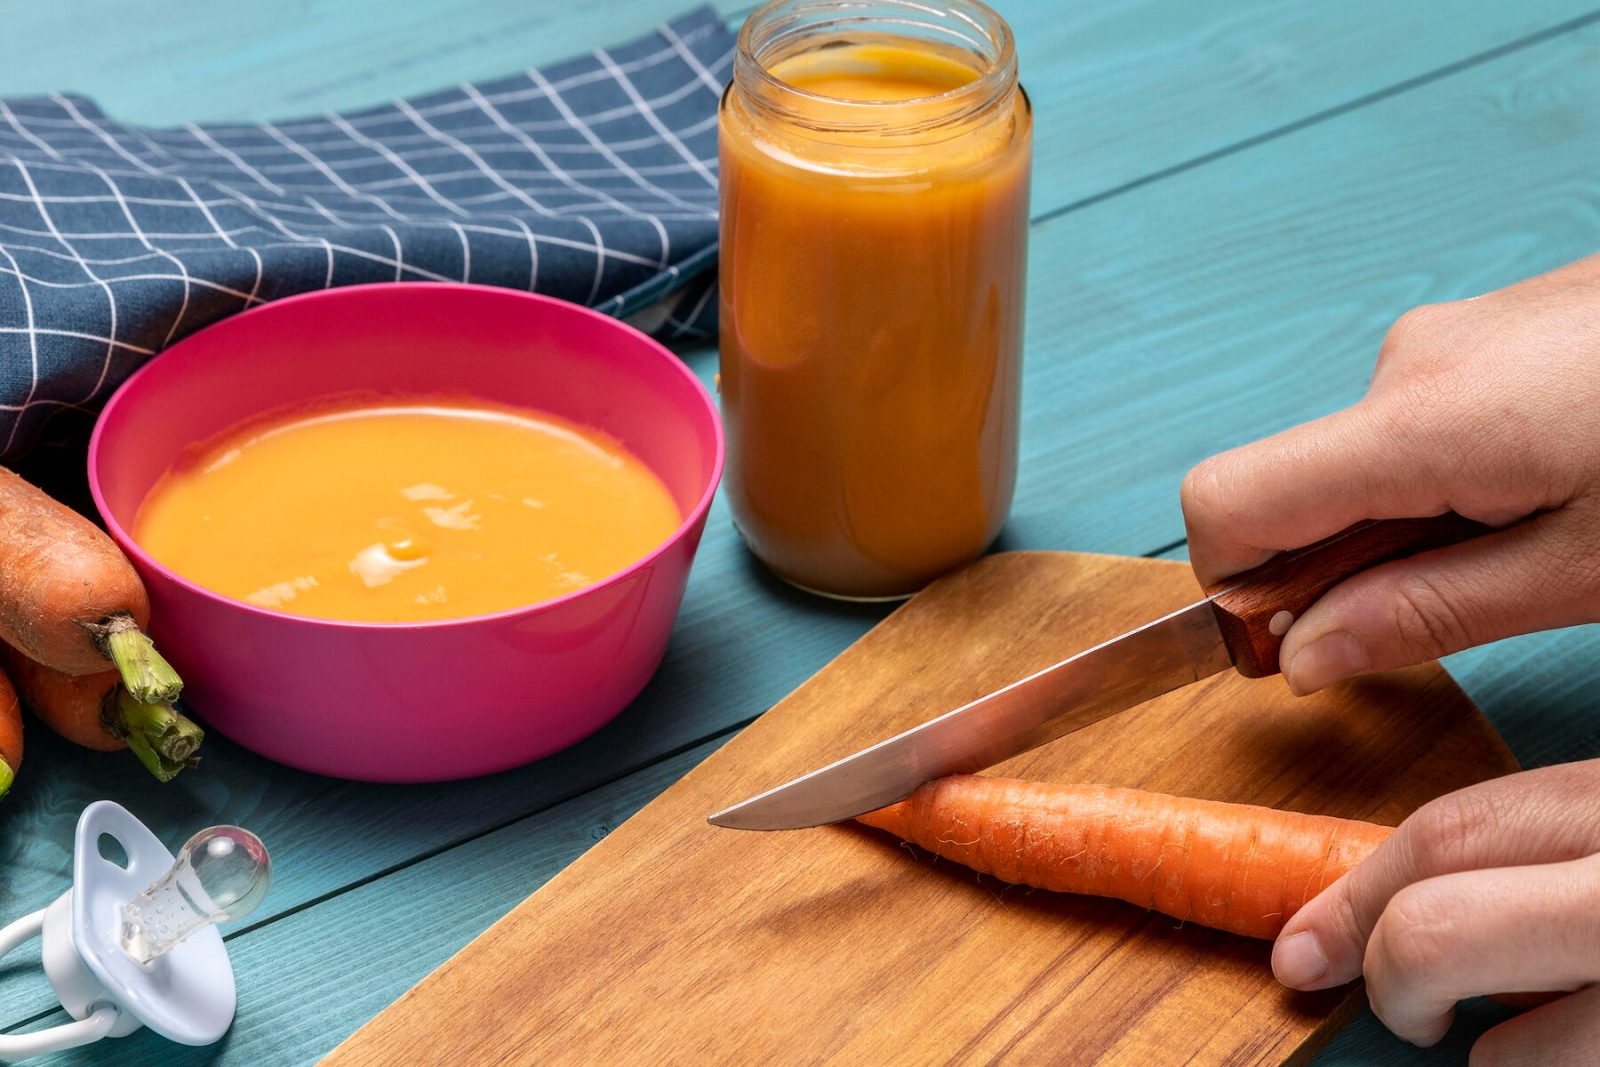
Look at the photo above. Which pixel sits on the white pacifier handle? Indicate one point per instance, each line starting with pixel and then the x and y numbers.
pixel 135 943
pixel 98 1023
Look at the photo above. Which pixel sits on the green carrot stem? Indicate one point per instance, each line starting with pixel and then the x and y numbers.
pixel 7 775
pixel 163 739
pixel 146 673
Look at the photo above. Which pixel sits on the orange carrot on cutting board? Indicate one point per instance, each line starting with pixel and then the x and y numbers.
pixel 1234 867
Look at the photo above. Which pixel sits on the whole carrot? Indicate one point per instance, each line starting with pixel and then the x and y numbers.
pixel 97 711
pixel 10 735
pixel 70 704
pixel 1234 867
pixel 69 598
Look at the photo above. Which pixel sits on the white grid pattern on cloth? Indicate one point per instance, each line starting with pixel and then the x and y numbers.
pixel 592 180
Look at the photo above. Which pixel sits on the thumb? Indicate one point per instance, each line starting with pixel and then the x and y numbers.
pixel 1540 574
pixel 1550 815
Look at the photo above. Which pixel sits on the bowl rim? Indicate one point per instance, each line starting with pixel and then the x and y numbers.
pixel 548 304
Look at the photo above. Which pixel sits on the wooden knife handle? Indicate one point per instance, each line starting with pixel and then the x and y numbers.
pixel 1291 582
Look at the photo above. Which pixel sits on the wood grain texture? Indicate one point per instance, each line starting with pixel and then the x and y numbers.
pixel 1249 296
pixel 1246 296
pixel 1533 689
pixel 703 945
pixel 1248 605
pixel 1194 311
pixel 1172 310
pixel 355 953
pixel 326 834
pixel 1125 90
pixel 311 978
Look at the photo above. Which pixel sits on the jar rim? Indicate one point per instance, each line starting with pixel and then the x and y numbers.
pixel 990 40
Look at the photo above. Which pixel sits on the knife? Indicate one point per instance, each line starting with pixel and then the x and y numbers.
pixel 1239 624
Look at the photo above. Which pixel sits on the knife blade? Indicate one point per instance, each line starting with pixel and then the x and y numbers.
pixel 1239 624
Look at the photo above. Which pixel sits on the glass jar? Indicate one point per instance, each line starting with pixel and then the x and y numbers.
pixel 875 159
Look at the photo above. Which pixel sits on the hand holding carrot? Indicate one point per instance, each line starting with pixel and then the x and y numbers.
pixel 1490 408
pixel 1493 889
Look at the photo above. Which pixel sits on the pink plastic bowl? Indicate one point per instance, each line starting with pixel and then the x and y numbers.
pixel 418 702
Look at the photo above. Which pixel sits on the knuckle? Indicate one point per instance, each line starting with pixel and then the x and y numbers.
pixel 1346 907
pixel 1445 834
pixel 1414 936
pixel 1417 329
pixel 1428 621
pixel 1494 1049
pixel 1580 544
pixel 1204 494
pixel 1424 354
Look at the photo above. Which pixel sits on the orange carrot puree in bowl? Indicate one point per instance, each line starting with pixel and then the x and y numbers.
pixel 404 510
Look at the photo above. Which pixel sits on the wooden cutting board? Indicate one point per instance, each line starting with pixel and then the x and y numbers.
pixel 674 942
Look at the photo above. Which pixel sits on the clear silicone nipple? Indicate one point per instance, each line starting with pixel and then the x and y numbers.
pixel 222 873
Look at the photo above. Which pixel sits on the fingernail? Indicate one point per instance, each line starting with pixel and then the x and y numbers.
pixel 1328 659
pixel 1298 960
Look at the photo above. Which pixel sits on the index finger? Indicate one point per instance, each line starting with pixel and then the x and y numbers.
pixel 1544 816
pixel 1299 486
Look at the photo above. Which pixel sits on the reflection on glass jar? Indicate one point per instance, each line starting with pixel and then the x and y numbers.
pixel 875 165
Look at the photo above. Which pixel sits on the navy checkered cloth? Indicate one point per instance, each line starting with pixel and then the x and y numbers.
pixel 592 180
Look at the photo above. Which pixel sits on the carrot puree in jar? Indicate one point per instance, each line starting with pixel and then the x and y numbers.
pixel 404 511
pixel 874 232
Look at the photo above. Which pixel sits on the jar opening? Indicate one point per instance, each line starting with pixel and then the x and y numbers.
pixel 954 34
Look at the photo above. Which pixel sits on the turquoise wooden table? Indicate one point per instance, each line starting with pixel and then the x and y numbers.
pixel 1232 202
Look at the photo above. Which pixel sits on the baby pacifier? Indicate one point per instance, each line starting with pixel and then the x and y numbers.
pixel 137 944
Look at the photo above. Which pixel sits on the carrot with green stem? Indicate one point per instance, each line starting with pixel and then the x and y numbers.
pixel 97 711
pixel 164 740
pixel 69 598
pixel 1234 867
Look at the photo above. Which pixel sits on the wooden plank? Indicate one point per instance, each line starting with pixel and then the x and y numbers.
pixel 1341 311
pixel 1122 90
pixel 306 980
pixel 1221 305
pixel 335 839
pixel 286 1018
pixel 203 62
pixel 1533 690
pixel 1250 294
pixel 703 945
